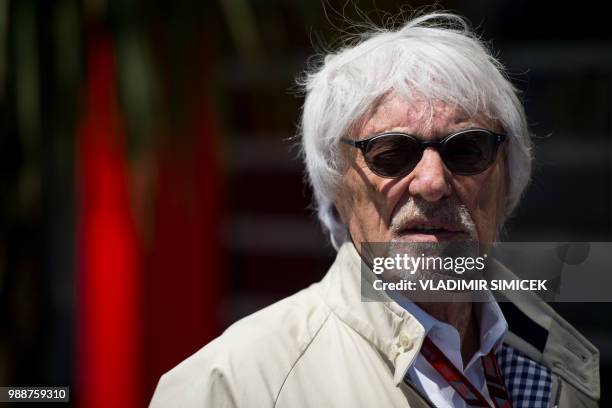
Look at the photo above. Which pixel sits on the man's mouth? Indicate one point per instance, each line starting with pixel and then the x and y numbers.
pixel 431 231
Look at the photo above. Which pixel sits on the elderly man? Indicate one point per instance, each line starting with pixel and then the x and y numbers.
pixel 409 136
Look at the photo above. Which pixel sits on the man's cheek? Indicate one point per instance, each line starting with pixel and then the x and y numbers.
pixel 467 191
pixel 487 214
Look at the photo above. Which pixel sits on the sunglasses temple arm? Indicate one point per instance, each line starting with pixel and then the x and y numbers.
pixel 349 142
pixel 360 144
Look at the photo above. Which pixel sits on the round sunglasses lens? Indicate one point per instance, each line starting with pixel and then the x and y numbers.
pixel 471 152
pixel 392 155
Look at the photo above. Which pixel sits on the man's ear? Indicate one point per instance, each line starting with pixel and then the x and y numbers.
pixel 336 213
pixel 339 205
pixel 506 173
pixel 340 231
pixel 506 179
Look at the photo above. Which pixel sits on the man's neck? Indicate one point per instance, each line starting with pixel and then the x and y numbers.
pixel 461 316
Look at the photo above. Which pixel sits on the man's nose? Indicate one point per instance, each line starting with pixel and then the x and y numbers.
pixel 430 178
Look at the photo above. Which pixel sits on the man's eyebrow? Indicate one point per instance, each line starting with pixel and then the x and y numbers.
pixel 377 130
pixel 464 123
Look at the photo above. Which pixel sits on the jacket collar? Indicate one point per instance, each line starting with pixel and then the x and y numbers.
pixel 390 328
pixel 567 352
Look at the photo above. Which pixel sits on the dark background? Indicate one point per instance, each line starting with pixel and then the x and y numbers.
pixel 208 195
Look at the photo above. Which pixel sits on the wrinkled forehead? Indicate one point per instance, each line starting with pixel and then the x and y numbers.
pixel 417 115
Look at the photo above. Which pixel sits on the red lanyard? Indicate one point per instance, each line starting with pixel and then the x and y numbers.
pixel 467 391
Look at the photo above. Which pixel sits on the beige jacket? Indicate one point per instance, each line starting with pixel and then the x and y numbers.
pixel 324 347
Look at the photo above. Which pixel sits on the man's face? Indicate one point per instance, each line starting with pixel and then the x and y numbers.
pixel 431 204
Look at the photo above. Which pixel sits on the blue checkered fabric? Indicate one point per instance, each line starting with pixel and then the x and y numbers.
pixel 528 382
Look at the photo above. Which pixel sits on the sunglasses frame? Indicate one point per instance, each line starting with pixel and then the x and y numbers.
pixel 438 145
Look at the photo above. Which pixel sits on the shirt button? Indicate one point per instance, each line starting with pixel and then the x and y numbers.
pixel 405 341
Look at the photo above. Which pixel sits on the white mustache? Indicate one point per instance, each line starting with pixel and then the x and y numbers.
pixel 448 211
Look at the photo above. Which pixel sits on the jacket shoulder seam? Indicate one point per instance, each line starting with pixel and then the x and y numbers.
pixel 314 336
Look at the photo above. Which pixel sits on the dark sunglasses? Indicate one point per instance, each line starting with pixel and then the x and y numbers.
pixel 395 154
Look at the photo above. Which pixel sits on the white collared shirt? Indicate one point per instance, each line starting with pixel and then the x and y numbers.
pixel 493 328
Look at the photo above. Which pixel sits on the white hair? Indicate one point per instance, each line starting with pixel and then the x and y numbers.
pixel 435 56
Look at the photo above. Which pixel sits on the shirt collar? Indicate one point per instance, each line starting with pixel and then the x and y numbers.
pixel 493 326
pixel 491 321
